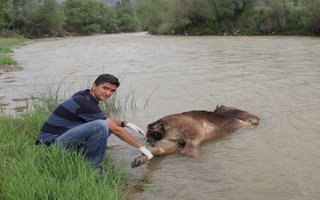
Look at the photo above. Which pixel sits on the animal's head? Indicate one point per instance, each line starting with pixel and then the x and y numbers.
pixel 248 118
pixel 155 131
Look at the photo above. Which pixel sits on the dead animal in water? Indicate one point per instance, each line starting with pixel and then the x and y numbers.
pixel 187 130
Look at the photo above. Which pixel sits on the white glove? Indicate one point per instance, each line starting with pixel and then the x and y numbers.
pixel 136 129
pixel 146 152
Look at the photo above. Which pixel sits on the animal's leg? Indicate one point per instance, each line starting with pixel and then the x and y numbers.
pixel 163 147
pixel 191 148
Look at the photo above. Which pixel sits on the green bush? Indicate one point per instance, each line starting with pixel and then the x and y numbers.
pixel 209 17
pixel 33 17
pixel 88 16
pixel 314 16
pixel 126 17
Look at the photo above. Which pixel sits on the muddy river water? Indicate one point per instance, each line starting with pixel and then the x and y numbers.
pixel 276 78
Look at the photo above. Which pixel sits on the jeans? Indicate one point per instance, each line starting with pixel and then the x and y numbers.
pixel 89 138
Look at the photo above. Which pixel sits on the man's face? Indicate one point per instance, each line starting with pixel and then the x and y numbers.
pixel 103 91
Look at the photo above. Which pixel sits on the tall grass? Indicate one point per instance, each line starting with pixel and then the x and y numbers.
pixel 37 172
pixel 117 105
pixel 49 173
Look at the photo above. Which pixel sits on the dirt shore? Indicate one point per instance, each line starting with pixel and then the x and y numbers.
pixel 9 68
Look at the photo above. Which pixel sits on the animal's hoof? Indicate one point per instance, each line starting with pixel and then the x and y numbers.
pixel 136 163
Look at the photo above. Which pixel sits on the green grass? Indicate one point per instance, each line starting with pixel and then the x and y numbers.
pixel 5 48
pixel 33 172
pixel 4 60
pixel 7 43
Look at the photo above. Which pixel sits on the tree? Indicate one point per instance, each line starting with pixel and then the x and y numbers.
pixel 191 16
pixel 33 17
pixel 314 15
pixel 152 13
pixel 88 16
pixel 127 21
pixel 48 19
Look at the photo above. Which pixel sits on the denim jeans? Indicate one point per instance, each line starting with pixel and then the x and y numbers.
pixel 89 138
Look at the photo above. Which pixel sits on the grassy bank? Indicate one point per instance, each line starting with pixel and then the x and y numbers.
pixel 33 172
pixel 6 45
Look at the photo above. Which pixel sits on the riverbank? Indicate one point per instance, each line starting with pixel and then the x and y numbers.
pixel 7 64
pixel 33 172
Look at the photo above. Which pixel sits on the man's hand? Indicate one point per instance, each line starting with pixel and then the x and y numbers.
pixel 146 152
pixel 136 129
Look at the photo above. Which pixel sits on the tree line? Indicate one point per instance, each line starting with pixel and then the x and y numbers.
pixel 246 17
pixel 39 18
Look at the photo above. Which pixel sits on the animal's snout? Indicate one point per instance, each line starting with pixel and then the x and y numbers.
pixel 154 136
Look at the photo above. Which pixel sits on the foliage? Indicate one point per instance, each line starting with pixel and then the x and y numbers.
pixel 234 17
pixel 126 18
pixel 38 18
pixel 32 17
pixel 88 16
pixel 191 17
pixel 314 16
pixel 152 13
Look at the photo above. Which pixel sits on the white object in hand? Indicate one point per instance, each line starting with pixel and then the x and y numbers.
pixel 136 129
pixel 146 152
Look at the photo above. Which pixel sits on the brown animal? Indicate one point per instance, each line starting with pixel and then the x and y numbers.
pixel 187 130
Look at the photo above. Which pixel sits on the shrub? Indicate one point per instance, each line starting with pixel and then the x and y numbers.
pixel 88 16
pixel 33 17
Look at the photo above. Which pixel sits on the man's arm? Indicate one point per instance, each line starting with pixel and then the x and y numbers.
pixel 121 133
pixel 130 126
pixel 125 136
pixel 120 123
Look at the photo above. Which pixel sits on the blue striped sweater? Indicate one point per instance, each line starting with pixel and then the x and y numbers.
pixel 80 108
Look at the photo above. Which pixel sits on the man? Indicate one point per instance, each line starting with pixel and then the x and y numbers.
pixel 78 123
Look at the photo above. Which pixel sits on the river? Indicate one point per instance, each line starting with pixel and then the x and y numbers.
pixel 275 78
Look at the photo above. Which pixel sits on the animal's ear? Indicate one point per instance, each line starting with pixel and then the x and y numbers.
pixel 219 107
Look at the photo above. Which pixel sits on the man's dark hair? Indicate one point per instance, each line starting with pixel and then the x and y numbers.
pixel 107 78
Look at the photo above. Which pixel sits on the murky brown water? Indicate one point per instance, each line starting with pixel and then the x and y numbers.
pixel 276 78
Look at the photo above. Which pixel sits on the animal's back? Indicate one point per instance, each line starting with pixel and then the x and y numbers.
pixel 204 124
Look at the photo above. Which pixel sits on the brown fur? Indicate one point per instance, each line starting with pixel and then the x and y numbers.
pixel 189 129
